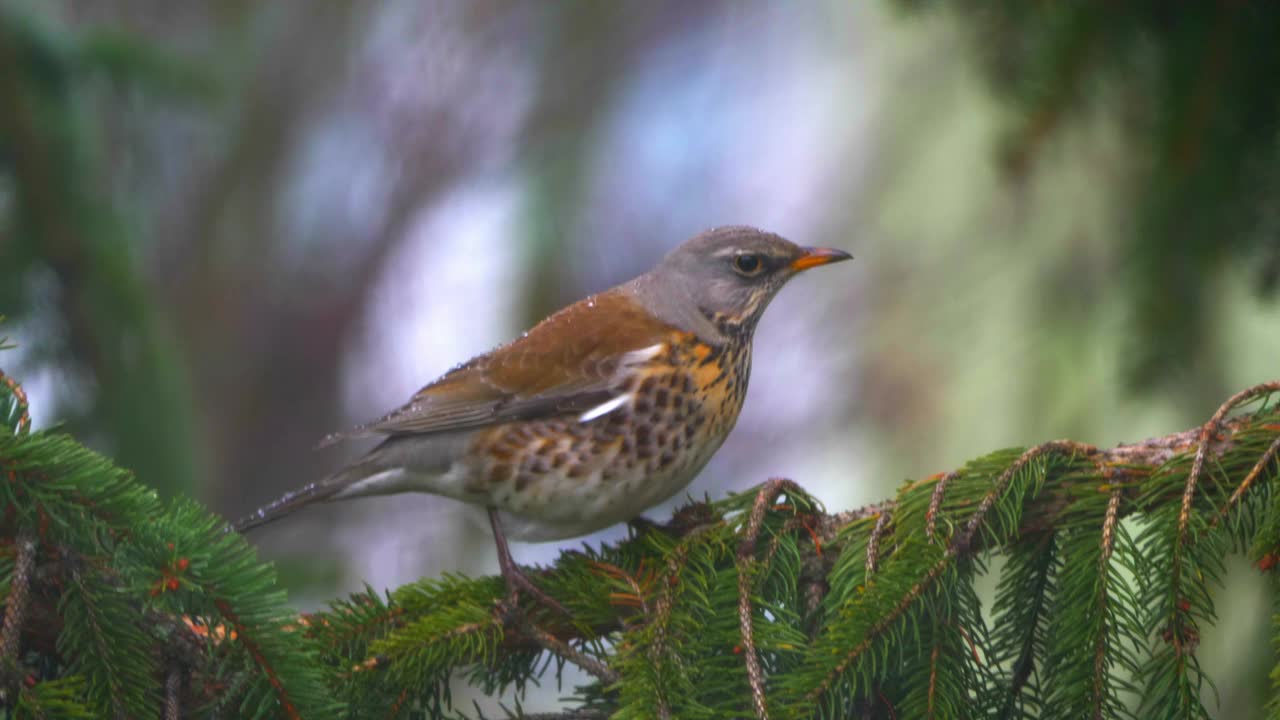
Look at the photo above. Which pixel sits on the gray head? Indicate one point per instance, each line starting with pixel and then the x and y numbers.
pixel 728 275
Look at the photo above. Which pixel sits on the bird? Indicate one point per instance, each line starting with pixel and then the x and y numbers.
pixel 599 412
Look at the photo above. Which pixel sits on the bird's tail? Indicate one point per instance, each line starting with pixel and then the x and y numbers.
pixel 290 502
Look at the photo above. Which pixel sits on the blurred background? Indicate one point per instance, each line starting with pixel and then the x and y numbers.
pixel 228 228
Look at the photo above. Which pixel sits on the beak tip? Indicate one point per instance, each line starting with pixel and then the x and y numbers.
pixel 815 256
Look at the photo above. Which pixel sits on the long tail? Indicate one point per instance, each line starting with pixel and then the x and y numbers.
pixel 295 500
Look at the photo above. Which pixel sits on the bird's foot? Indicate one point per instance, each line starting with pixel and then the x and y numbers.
pixel 518 583
pixel 640 525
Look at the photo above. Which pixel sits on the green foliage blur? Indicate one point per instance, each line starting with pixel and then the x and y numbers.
pixel 1191 88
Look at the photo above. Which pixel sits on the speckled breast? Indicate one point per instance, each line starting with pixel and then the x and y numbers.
pixel 563 477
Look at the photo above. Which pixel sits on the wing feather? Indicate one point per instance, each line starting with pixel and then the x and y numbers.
pixel 568 364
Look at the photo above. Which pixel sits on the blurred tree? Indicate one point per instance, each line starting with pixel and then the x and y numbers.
pixel 1194 87
pixel 64 242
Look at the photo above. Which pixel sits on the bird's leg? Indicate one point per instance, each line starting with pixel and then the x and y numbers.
pixel 516 580
pixel 640 525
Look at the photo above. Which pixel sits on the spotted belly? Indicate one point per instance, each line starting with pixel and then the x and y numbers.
pixel 563 477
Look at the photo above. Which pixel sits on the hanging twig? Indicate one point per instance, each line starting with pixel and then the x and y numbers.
pixel 873 542
pixel 1267 458
pixel 15 608
pixel 20 397
pixel 1207 432
pixel 559 647
pixel 745 560
pixel 173 693
pixel 935 503
pixel 1104 559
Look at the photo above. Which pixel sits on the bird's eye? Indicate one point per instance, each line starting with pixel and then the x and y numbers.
pixel 747 264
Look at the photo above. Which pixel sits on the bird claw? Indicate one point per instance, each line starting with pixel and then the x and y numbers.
pixel 518 583
pixel 640 525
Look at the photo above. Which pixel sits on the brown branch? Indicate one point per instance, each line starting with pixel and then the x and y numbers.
pixel 1267 458
pixel 398 705
pixel 15 607
pixel 563 649
pixel 935 503
pixel 1104 558
pixel 745 560
pixel 19 396
pixel 282 695
pixel 1067 448
pixel 173 694
pixel 873 542
pixel 566 715
pixel 665 604
pixel 1205 436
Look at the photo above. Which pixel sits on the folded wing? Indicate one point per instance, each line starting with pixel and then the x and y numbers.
pixel 569 364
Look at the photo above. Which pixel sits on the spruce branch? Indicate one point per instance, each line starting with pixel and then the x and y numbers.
pixel 173 693
pixel 16 410
pixel 15 611
pixel 1021 620
pixel 745 562
pixel 1268 458
pixel 1100 641
pixel 761 604
pixel 1202 451
pixel 873 542
pixel 565 651
pixel 935 502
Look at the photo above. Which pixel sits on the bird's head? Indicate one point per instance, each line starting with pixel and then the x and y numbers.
pixel 731 273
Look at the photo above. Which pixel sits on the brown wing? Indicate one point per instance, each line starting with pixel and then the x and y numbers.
pixel 566 364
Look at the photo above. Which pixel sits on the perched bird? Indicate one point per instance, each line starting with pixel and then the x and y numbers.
pixel 604 409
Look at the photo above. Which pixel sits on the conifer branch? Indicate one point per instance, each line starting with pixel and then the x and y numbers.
pixel 566 715
pixel 745 561
pixel 1182 602
pixel 1202 451
pixel 933 677
pixel 935 502
pixel 1259 467
pixel 664 606
pixel 873 542
pixel 1065 448
pixel 15 610
pixel 264 665
pixel 1100 641
pixel 1021 603
pixel 559 647
pixel 21 424
pixel 961 545
pixel 751 605
pixel 173 693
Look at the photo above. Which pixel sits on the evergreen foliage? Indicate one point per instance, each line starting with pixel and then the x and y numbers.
pixel 761 604
pixel 116 588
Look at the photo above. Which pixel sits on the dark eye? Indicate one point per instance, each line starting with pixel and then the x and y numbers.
pixel 747 264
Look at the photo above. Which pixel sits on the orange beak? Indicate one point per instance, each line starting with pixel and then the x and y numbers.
pixel 813 257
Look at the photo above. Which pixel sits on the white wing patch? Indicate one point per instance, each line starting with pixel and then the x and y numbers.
pixel 636 357
pixel 604 408
pixel 630 359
